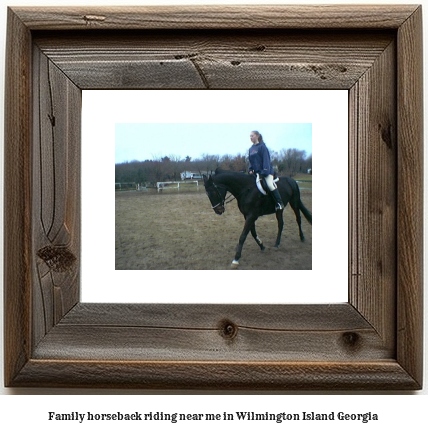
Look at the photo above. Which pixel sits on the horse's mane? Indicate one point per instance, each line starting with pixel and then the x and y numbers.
pixel 219 171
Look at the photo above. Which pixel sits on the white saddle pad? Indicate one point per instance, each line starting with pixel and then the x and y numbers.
pixel 259 184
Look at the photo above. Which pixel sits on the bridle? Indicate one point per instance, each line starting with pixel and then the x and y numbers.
pixel 221 200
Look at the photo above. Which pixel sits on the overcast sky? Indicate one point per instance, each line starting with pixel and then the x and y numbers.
pixel 147 141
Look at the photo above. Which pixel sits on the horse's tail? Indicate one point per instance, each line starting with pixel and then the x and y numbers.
pixel 305 211
pixel 298 201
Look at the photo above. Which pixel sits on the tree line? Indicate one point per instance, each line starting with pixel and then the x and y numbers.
pixel 288 162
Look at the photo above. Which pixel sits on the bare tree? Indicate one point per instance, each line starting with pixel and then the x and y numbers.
pixel 291 161
pixel 208 163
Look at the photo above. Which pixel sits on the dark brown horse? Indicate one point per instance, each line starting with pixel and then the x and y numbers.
pixel 254 204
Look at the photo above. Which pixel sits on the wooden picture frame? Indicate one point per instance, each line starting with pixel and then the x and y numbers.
pixel 372 342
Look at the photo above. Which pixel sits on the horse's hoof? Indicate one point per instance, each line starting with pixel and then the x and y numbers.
pixel 234 264
pixel 262 248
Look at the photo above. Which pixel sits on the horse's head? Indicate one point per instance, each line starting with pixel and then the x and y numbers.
pixel 216 194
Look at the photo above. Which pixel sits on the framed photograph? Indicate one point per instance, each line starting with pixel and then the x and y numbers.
pixel 371 341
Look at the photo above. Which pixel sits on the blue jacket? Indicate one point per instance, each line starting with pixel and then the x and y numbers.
pixel 260 159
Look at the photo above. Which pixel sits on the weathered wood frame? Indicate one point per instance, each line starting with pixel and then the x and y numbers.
pixel 372 342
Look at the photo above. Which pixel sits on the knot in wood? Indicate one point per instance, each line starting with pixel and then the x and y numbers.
pixel 58 259
pixel 94 18
pixel 185 56
pixel 227 329
pixel 259 48
pixel 386 134
pixel 351 340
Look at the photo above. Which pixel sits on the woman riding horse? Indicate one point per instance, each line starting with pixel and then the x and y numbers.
pixel 260 163
pixel 251 203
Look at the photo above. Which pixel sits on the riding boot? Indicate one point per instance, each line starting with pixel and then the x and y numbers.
pixel 277 199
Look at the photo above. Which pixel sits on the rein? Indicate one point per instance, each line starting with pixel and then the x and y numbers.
pixel 231 200
pixel 225 200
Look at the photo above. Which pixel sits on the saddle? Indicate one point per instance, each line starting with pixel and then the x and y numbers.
pixel 261 183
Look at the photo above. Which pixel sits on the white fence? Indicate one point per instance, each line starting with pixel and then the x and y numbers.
pixel 127 186
pixel 174 184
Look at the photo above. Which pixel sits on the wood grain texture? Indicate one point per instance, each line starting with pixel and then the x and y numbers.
pixel 17 198
pixel 216 17
pixel 373 177
pixel 385 375
pixel 372 342
pixel 210 316
pixel 410 196
pixel 56 194
pixel 199 332
pixel 216 60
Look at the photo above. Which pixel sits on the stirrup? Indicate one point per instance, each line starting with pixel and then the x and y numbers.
pixel 279 207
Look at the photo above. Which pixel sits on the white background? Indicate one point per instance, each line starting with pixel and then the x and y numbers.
pixel 397 411
pixel 327 282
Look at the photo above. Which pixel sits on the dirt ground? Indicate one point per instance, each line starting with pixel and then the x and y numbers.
pixel 180 231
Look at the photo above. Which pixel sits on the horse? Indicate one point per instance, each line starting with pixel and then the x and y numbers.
pixel 253 204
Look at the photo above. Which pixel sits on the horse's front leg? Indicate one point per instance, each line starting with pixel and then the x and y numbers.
pixel 255 236
pixel 280 220
pixel 249 223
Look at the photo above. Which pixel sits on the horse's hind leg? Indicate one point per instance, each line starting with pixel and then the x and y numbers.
pixel 280 220
pixel 298 220
pixel 255 236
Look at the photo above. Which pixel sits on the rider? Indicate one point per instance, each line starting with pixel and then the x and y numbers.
pixel 260 163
